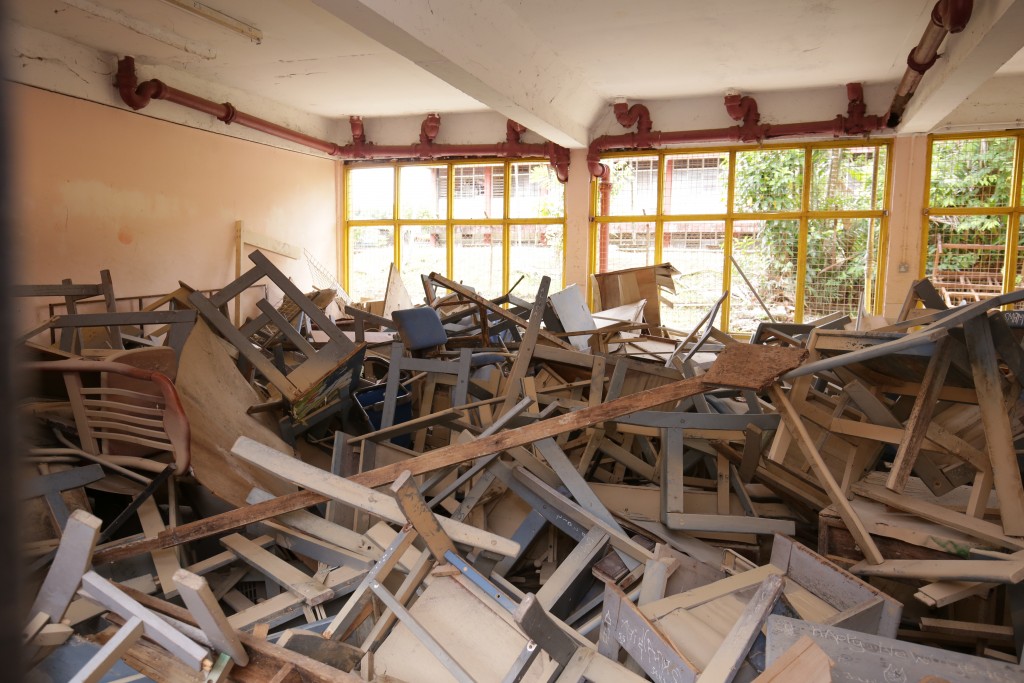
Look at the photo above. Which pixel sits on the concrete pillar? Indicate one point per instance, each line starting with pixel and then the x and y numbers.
pixel 577 220
pixel 906 209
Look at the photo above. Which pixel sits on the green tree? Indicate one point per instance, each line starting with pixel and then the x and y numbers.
pixel 973 172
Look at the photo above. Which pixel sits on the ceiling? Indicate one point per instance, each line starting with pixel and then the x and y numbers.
pixel 552 66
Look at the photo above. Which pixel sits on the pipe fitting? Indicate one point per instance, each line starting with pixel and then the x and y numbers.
pixel 744 108
pixel 514 132
pixel 355 123
pixel 229 113
pixel 638 114
pixel 429 128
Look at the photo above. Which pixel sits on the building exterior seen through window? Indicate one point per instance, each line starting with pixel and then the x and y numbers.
pixel 972 230
pixel 796 230
pixel 486 224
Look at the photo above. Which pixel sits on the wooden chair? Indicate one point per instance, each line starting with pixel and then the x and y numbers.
pixel 113 421
pixel 317 388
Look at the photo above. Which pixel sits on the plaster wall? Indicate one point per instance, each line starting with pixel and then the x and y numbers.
pixel 154 202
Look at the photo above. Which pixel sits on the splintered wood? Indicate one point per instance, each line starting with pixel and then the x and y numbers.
pixel 520 489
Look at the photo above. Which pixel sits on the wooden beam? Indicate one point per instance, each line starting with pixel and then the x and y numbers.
pixel 835 493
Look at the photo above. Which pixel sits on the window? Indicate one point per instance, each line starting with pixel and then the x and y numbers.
pixel 457 219
pixel 792 229
pixel 972 227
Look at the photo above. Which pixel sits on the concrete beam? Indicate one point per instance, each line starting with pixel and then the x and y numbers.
pixel 994 35
pixel 492 56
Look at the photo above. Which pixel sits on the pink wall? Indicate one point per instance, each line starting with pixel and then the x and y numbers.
pixel 154 202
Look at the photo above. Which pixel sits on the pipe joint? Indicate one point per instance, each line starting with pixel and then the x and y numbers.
pixel 429 129
pixel 514 132
pixel 922 66
pixel 358 135
pixel 952 15
pixel 637 114
pixel 229 113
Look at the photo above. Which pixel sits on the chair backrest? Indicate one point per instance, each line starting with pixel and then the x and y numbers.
pixel 105 416
pixel 420 328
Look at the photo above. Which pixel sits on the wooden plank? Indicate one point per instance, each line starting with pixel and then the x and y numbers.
pixel 867 658
pixel 98 665
pixel 992 571
pixel 933 512
pixel 726 661
pixel 159 631
pixel 624 626
pixel 200 601
pixel 524 357
pixel 988 382
pixel 825 478
pixel 312 591
pixel 422 519
pixel 165 560
pixel 265 658
pixel 921 415
pixel 73 558
pixel 266 242
pixel 358 496
pixel 804 661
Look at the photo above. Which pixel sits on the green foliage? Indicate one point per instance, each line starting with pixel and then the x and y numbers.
pixel 838 262
pixel 973 172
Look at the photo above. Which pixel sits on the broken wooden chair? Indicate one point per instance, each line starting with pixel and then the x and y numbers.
pixel 317 388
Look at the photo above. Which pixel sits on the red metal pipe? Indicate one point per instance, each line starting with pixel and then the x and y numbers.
pixel 740 108
pixel 138 95
pixel 948 16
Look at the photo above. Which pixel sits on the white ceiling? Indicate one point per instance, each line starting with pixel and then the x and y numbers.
pixel 552 65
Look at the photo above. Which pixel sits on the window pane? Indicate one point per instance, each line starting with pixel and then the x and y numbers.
pixel 479 191
pixel 535 251
pixel 624 245
pixel 634 184
pixel 423 192
pixel 769 180
pixel 973 172
pixel 845 178
pixel 696 183
pixel 371 250
pixel 371 193
pixel 423 252
pixel 766 252
pixel 965 256
pixel 841 258
pixel 478 258
pixel 1018 278
pixel 695 249
pixel 536 192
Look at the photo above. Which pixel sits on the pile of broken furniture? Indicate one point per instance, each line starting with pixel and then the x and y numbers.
pixel 518 489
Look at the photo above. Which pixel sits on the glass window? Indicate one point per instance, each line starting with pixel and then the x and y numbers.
pixel 634 186
pixel 371 193
pixel 847 178
pixel 535 191
pixel 697 250
pixel 625 245
pixel 764 267
pixel 535 251
pixel 769 180
pixel 840 265
pixel 478 258
pixel 696 183
pixel 424 251
pixel 478 191
pixel 966 256
pixel 971 172
pixel 423 192
pixel 372 250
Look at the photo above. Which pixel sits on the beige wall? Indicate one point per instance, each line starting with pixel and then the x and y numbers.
pixel 98 187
